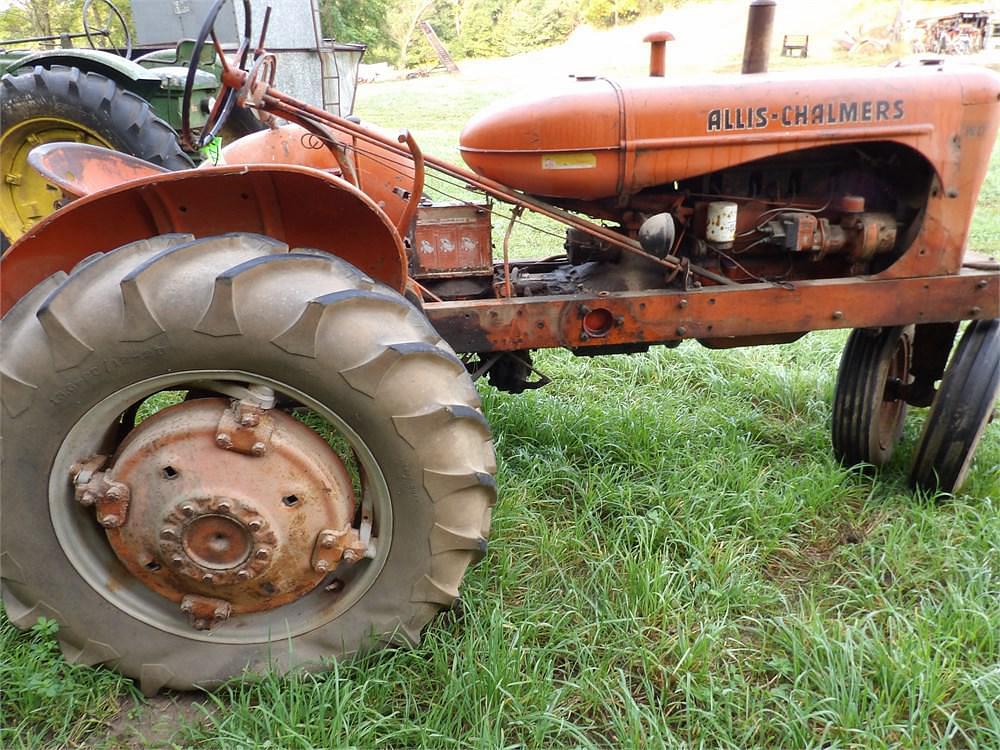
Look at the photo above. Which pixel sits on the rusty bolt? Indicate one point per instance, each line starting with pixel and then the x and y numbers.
pixel 258 449
pixel 327 541
pixel 982 284
pixel 208 578
pixel 255 524
pixel 109 521
pixel 177 559
pixel 221 613
pixel 224 507
pixel 619 320
pixel 244 575
pixel 187 509
pixel 88 498
pixel 350 555
pixel 200 624
pixel 681 330
pixel 249 419
pixel 223 441
pixel 322 566
pixel 975 310
pixel 262 554
pixel 336 586
pixel 682 304
pixel 167 533
pixel 185 606
pixel 837 315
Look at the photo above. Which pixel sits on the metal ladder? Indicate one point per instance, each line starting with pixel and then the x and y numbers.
pixel 329 82
pixel 442 53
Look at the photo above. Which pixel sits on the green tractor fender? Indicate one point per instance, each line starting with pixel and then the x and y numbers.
pixel 161 85
pixel 124 72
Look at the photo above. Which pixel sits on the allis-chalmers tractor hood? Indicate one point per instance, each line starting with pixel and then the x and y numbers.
pixel 598 138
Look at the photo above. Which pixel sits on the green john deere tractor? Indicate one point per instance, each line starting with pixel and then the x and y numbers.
pixel 102 95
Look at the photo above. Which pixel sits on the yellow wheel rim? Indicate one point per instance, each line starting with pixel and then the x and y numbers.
pixel 25 197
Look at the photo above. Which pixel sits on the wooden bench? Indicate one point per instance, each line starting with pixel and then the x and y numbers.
pixel 795 45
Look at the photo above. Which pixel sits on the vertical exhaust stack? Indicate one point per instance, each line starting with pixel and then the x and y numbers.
pixel 658 52
pixel 760 25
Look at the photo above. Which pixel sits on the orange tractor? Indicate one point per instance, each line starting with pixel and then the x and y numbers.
pixel 308 329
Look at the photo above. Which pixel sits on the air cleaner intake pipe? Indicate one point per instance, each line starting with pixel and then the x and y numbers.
pixel 760 25
pixel 658 52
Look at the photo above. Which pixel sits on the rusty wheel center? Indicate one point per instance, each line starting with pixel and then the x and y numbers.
pixel 215 541
pixel 226 509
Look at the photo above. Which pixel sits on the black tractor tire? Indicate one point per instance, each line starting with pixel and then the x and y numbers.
pixel 49 102
pixel 168 307
pixel 963 406
pixel 868 409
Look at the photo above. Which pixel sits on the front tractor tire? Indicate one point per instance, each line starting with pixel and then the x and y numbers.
pixel 868 406
pixel 182 558
pixel 962 408
pixel 60 103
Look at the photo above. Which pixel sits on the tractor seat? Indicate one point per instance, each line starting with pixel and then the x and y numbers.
pixel 79 169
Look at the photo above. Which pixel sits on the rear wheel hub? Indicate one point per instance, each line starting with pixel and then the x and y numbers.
pixel 209 521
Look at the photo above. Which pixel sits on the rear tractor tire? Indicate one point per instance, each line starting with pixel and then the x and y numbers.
pixel 65 104
pixel 224 533
pixel 868 408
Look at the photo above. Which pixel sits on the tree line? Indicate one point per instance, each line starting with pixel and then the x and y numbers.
pixel 471 28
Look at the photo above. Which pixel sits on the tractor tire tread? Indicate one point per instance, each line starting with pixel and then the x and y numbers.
pixel 346 327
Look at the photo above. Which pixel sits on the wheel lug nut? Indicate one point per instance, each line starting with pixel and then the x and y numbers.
pixel 243 575
pixel 208 578
pixel 262 554
pixel 187 509
pixel 224 507
pixel 255 525
pixel 167 533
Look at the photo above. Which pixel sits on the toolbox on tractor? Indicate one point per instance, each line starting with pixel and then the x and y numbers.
pixel 324 472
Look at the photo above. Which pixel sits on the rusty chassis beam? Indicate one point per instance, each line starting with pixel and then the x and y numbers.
pixel 713 312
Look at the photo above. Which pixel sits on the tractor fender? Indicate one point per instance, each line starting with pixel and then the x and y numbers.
pixel 124 72
pixel 301 206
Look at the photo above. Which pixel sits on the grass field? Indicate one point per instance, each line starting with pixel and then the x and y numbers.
pixel 676 560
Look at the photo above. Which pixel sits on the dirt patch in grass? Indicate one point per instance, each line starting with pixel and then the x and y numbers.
pixel 154 722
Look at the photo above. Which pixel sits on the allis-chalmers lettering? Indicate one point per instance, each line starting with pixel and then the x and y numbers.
pixel 793 115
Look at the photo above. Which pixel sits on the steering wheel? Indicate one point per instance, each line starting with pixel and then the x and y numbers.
pixel 230 81
pixel 106 30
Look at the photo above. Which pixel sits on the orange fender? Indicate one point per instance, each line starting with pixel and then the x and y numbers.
pixel 384 174
pixel 301 206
